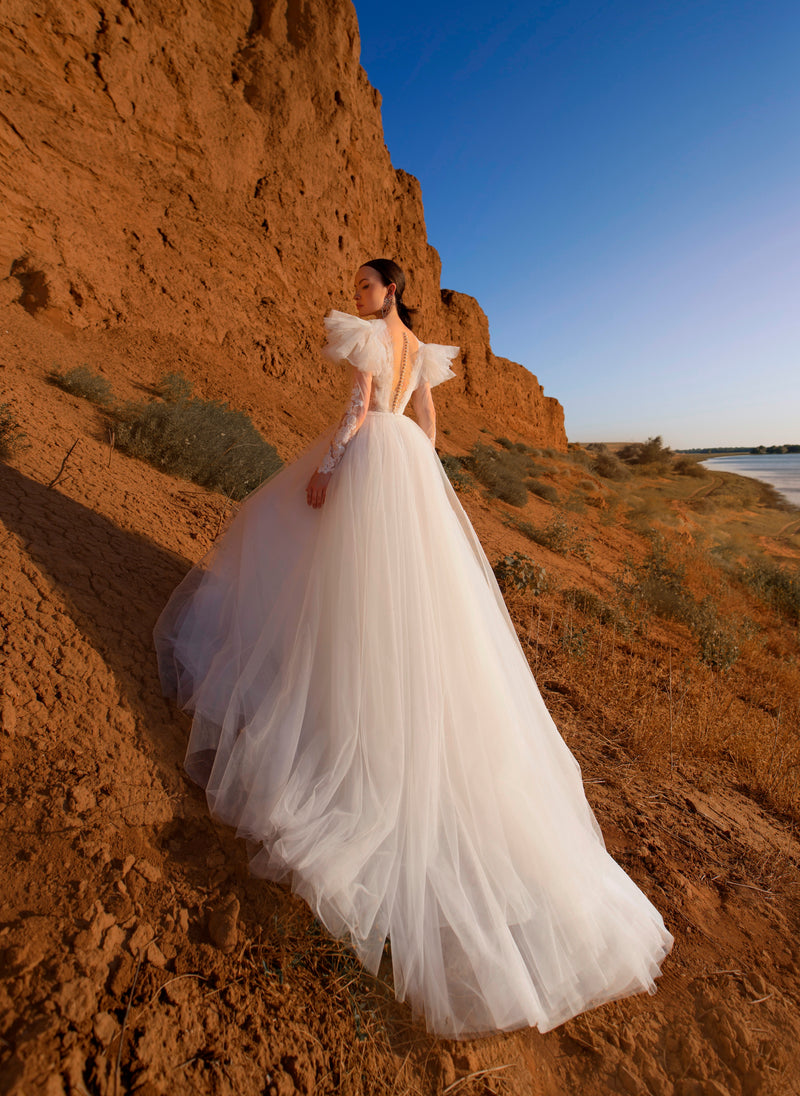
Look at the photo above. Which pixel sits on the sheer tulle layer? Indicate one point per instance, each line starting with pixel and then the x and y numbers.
pixel 364 715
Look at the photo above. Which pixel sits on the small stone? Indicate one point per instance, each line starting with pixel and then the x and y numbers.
pixel 105 1027
pixel 183 920
pixel 178 990
pixel 140 937
pixel 127 864
pixel 757 984
pixel 100 922
pixel 149 871
pixel 222 924
pixel 77 999
pixel 448 1069
pixel 8 717
pixel 21 958
pixel 53 1086
pixel 81 799
pixel 155 955
pixel 113 939
pixel 714 1088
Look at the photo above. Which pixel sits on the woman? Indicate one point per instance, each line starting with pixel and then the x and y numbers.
pixel 364 715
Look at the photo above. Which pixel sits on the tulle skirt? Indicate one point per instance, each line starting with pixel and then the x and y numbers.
pixel 364 715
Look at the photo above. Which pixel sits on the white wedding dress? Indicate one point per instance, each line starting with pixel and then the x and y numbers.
pixel 364 715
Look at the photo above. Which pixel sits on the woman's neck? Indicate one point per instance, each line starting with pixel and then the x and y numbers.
pixel 392 320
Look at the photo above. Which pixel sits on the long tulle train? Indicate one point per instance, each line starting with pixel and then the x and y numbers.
pixel 364 715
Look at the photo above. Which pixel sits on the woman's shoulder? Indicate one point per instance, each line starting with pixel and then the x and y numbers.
pixel 365 343
pixel 345 321
pixel 351 338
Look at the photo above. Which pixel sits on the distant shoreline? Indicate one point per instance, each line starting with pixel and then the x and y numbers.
pixel 780 470
pixel 783 449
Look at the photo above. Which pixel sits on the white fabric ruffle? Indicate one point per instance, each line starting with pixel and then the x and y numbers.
pixel 355 340
pixel 367 346
pixel 436 360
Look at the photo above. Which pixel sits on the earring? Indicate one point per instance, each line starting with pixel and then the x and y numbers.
pixel 388 301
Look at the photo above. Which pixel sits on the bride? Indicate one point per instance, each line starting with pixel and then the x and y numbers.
pixel 364 715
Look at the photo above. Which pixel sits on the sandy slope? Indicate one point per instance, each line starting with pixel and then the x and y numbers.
pixel 111 865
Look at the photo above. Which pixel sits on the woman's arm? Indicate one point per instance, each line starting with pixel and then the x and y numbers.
pixel 354 414
pixel 422 402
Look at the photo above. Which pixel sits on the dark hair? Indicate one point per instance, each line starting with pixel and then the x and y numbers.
pixel 391 272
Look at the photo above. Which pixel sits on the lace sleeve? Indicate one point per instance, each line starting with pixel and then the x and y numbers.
pixel 351 420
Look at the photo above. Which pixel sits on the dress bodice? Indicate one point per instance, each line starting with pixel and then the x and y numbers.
pixel 367 345
pixel 383 395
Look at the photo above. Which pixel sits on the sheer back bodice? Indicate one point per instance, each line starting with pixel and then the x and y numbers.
pixel 391 390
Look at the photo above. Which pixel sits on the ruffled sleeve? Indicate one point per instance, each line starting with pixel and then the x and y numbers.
pixel 436 363
pixel 352 339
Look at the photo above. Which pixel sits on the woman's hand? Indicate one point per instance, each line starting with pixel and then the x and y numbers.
pixel 316 488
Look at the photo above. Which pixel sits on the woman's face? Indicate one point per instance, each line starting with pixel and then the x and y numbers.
pixel 370 291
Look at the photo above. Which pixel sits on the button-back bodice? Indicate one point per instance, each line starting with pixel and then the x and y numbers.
pixel 382 392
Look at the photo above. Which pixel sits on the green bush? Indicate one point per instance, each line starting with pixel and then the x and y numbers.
pixel 580 455
pixel 519 572
pixel 687 466
pixel 572 639
pixel 591 604
pixel 11 434
pixel 576 503
pixel 776 585
pixel 558 535
pixel 609 466
pixel 455 472
pixel 716 636
pixel 205 441
pixel 544 491
pixel 500 471
pixel 650 452
pixel 657 582
pixel 82 382
pixel 173 387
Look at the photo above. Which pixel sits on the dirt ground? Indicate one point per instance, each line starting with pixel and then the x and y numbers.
pixel 137 954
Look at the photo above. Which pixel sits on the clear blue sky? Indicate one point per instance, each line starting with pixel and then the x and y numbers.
pixel 618 184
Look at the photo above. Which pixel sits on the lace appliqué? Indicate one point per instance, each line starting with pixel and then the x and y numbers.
pixel 348 425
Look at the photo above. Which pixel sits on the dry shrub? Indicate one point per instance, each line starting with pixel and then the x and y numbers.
pixel 558 535
pixel 454 469
pixel 731 692
pixel 11 432
pixel 778 586
pixel 650 454
pixel 575 502
pixel 503 472
pixel 519 572
pixel 205 441
pixel 609 466
pixel 664 704
pixel 82 382
pixel 544 491
pixel 689 466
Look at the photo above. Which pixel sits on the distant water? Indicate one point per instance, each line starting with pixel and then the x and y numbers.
pixel 782 470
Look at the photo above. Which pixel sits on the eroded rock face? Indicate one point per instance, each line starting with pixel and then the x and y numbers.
pixel 213 174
